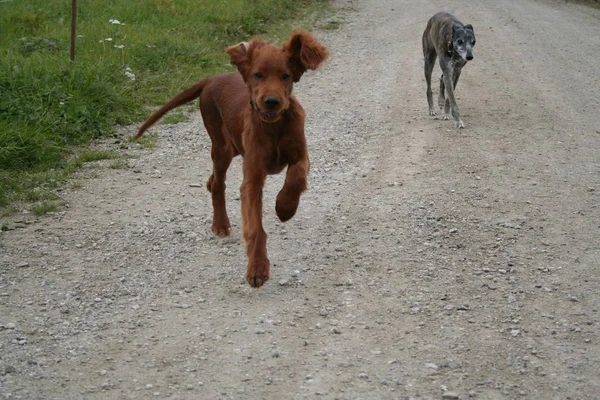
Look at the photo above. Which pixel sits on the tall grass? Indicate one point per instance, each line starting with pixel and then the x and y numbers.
pixel 129 54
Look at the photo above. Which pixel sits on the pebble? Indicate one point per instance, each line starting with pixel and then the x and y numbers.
pixel 450 395
pixel 363 375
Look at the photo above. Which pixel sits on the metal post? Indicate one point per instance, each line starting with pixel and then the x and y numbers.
pixel 73 27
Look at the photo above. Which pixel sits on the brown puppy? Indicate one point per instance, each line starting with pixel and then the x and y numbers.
pixel 253 113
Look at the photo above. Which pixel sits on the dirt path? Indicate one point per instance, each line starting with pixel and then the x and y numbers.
pixel 423 262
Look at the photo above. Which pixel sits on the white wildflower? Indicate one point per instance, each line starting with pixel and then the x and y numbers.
pixel 114 21
pixel 109 39
pixel 129 74
pixel 120 46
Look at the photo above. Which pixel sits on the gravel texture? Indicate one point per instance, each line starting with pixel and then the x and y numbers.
pixel 423 263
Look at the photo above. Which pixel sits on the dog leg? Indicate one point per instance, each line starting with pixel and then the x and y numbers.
pixel 216 186
pixel 289 196
pixel 430 57
pixel 257 272
pixel 441 96
pixel 450 100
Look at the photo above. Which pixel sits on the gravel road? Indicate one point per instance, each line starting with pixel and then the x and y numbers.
pixel 423 263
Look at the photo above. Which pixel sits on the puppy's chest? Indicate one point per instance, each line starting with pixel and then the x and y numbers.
pixel 276 160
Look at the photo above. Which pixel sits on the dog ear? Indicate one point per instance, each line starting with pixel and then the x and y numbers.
pixel 469 27
pixel 304 52
pixel 239 57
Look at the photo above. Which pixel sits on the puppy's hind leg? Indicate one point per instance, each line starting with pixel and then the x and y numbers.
pixel 221 153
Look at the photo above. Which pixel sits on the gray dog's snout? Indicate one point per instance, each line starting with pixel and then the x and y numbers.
pixel 469 57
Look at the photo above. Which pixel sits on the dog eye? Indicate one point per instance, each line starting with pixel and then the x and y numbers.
pixel 460 42
pixel 258 75
pixel 285 77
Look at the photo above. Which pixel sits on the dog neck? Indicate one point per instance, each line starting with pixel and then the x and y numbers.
pixel 254 108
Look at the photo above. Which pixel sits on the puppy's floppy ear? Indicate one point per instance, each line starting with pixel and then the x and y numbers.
pixel 239 57
pixel 304 52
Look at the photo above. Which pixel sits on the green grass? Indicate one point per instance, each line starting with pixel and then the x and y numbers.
pixel 43 208
pixel 50 106
pixel 97 155
pixel 174 118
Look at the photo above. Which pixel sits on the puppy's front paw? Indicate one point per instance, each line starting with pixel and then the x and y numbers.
pixel 286 205
pixel 257 273
pixel 432 112
pixel 446 116
pixel 221 227
pixel 459 124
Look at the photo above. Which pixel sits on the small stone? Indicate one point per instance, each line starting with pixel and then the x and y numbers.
pixel 431 365
pixel 515 332
pixel 363 375
pixel 450 395
pixel 10 325
pixel 275 354
pixel 9 369
pixel 335 331
pixel 22 264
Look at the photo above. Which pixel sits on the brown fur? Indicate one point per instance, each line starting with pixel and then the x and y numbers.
pixel 254 114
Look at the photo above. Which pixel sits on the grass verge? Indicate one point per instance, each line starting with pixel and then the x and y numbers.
pixel 128 55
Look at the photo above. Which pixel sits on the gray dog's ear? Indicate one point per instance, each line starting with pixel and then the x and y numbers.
pixel 469 27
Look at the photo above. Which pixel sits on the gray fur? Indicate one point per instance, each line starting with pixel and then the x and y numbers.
pixel 452 41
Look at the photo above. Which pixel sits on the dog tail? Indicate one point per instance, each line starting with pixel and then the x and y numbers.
pixel 186 96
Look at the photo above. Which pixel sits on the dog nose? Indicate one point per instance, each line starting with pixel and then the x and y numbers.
pixel 271 102
pixel 469 57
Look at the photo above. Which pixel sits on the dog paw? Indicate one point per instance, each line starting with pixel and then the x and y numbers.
pixel 432 112
pixel 446 117
pixel 221 230
pixel 258 273
pixel 286 206
pixel 459 124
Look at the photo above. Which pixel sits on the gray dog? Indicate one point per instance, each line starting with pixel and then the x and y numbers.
pixel 447 37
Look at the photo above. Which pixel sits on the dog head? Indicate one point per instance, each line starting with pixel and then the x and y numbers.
pixel 463 41
pixel 270 71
